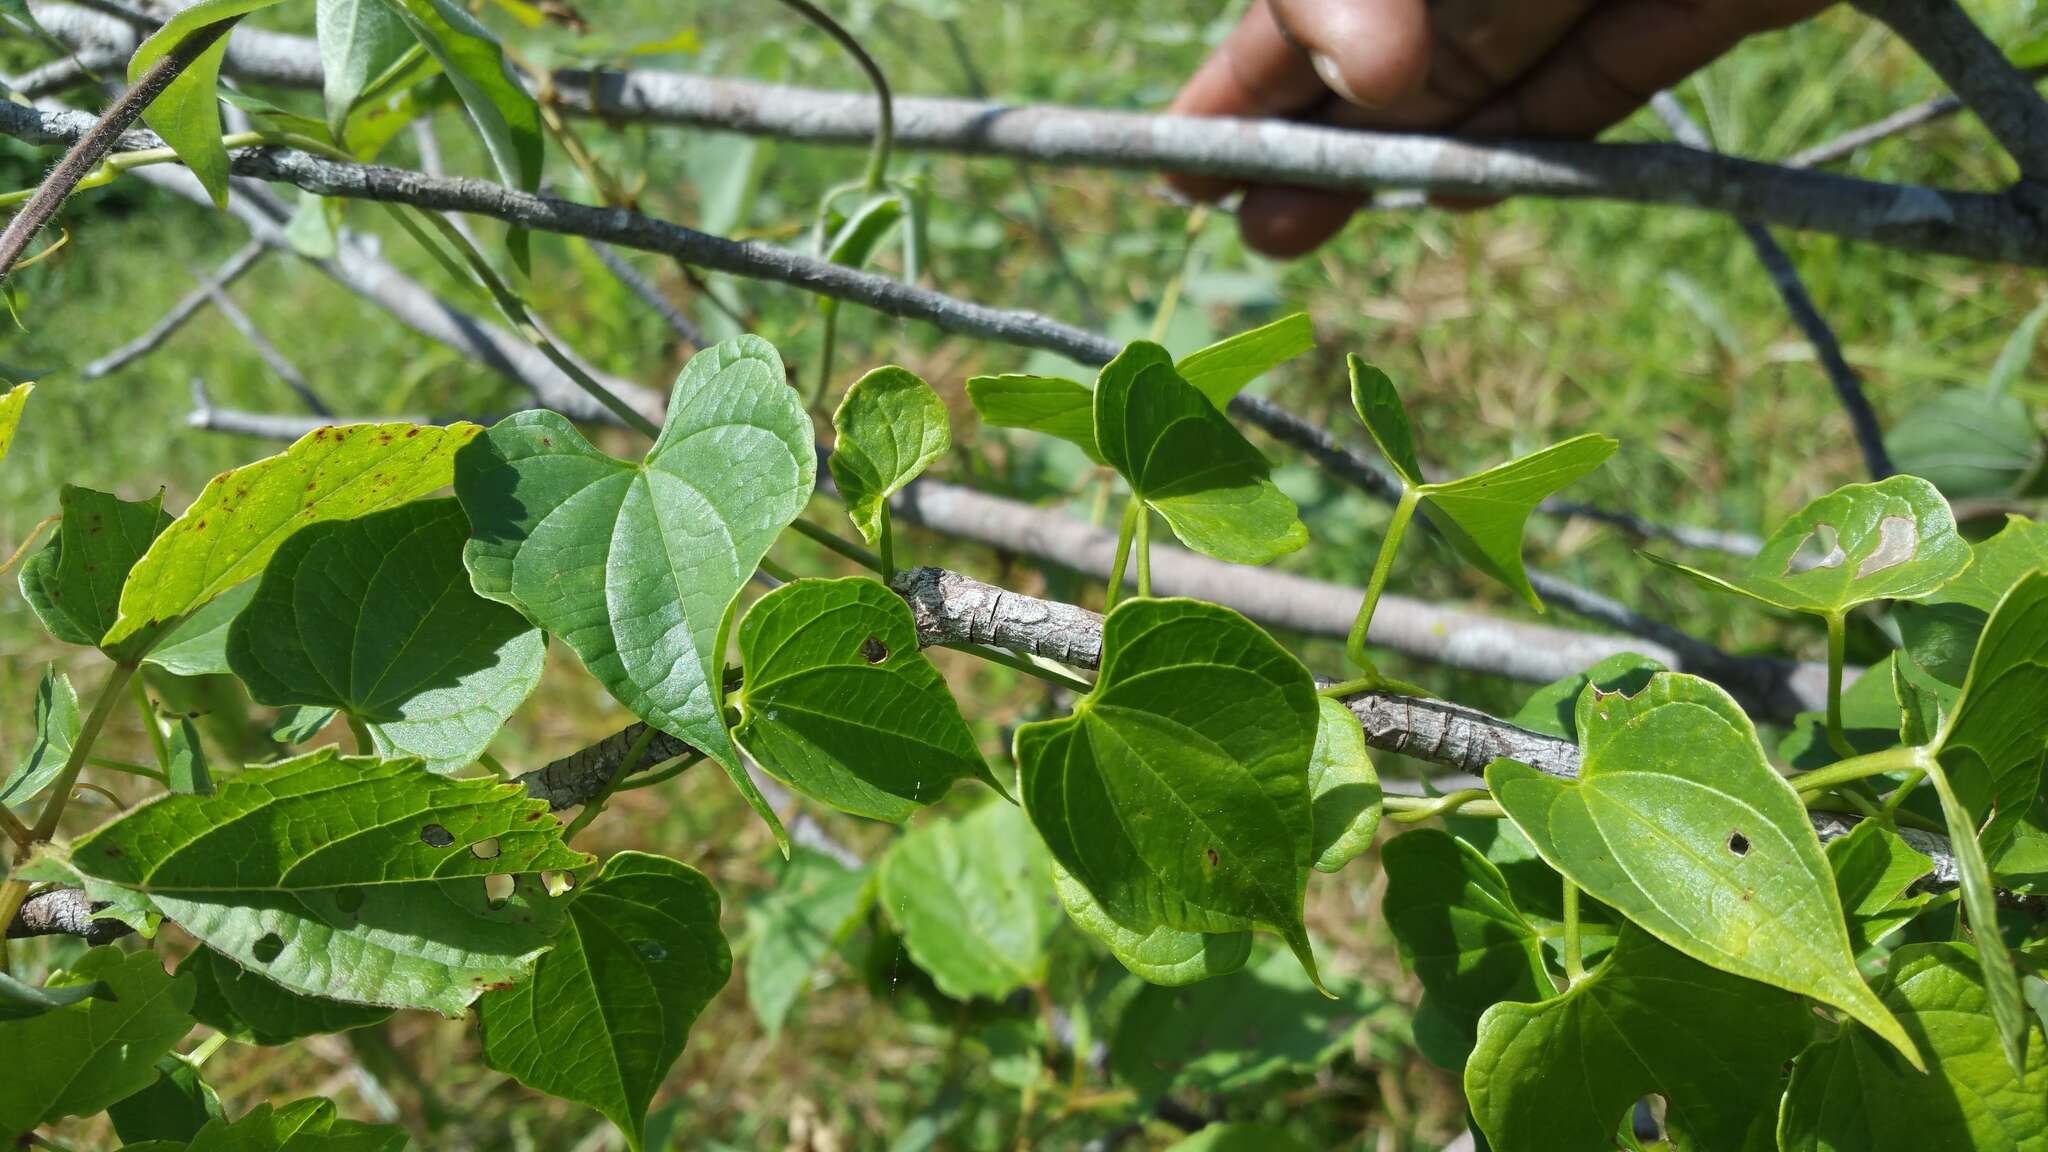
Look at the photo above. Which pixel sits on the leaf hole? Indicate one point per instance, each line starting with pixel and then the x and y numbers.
pixel 557 883
pixel 268 947
pixel 1897 539
pixel 499 889
pixel 1647 1119
pixel 435 836
pixel 873 650
pixel 1738 843
pixel 651 951
pixel 1213 858
pixel 486 849
pixel 1822 548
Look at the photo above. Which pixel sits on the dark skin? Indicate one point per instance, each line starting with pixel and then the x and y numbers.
pixel 1501 68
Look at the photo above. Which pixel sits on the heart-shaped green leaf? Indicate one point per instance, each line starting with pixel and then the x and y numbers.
pixel 973 901
pixel 301 1126
pixel 840 704
pixel 253 1009
pixel 1484 515
pixel 1177 792
pixel 11 404
pixel 1344 788
pixel 244 515
pixel 1875 872
pixel 1459 931
pixel 323 821
pixel 344 877
pixel 1048 404
pixel 1852 1091
pixel 1565 1073
pixel 187 115
pixel 360 41
pixel 56 719
pixel 1892 540
pixel 1968 442
pixel 376 617
pixel 815 904
pixel 1679 823
pixel 891 427
pixel 1221 370
pixel 1184 459
pixel 1379 408
pixel 609 1008
pixel 1155 953
pixel 637 565
pixel 78 1059
pixel 74 583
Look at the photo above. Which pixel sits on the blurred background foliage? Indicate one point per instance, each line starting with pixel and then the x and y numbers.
pixel 1506 329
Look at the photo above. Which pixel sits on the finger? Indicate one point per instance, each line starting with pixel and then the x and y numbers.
pixel 1255 72
pixel 1369 52
pixel 1284 222
pixel 1618 57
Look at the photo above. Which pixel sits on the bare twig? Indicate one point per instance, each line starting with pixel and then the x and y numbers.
pixel 1975 70
pixel 683 328
pixel 187 307
pixel 268 352
pixel 2000 227
pixel 92 145
pixel 270 426
pixel 1792 290
pixel 1905 119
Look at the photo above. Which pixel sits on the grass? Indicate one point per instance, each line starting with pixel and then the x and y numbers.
pixel 1506 329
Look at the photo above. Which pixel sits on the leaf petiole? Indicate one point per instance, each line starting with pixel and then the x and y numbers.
pixel 1397 527
pixel 1574 959
pixel 1126 531
pixel 1468 801
pixel 1855 768
pixel 150 725
pixel 1838 739
pixel 836 543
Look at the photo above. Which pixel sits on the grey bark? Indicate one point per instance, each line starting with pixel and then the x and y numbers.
pixel 1976 71
pixel 187 307
pixel 64 912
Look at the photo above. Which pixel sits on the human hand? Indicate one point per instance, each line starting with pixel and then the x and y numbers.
pixel 1565 68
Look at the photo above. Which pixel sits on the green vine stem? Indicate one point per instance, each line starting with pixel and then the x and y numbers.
pixel 1416 809
pixel 157 743
pixel 1838 739
pixel 1125 533
pixel 1024 664
pixel 1397 527
pixel 1143 544
pixel 1574 958
pixel 1856 768
pixel 885 118
pixel 885 540
pixel 683 764
pixel 627 766
pixel 836 543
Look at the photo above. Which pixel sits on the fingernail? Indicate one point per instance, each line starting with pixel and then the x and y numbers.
pixel 1333 77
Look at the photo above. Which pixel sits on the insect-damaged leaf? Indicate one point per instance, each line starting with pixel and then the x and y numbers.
pixel 244 515
pixel 1678 822
pixel 1483 515
pixel 1459 930
pixel 77 1059
pixel 841 705
pixel 1853 1091
pixel 635 565
pixel 375 617
pixel 609 1008
pixel 1177 792
pixel 1154 952
pixel 1565 1073
pixel 972 900
pixel 1184 459
pixel 1221 370
pixel 891 427
pixel 344 877
pixel 1892 540
pixel 74 583
pixel 254 1009
pixel 187 114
